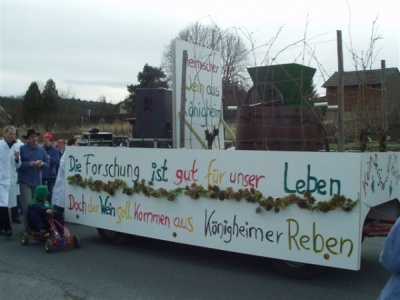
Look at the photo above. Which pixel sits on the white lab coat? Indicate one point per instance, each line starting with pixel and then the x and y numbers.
pixel 58 197
pixel 9 188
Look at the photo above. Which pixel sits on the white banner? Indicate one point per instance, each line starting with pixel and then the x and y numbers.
pixel 219 199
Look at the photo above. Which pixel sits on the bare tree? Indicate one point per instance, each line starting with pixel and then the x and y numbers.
pixel 364 59
pixel 270 56
pixel 68 93
pixel 367 115
pixel 228 42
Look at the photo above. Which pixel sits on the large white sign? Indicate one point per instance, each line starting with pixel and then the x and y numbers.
pixel 198 77
pixel 242 201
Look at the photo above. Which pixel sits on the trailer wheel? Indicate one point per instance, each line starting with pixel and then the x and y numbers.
pixel 295 269
pixel 113 237
pixel 77 242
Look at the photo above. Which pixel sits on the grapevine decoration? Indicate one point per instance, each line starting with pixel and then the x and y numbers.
pixel 111 186
pixel 210 136
pixel 195 191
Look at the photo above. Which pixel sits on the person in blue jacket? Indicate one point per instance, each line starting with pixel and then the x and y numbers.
pixel 390 259
pixel 34 159
pixel 40 211
pixel 49 175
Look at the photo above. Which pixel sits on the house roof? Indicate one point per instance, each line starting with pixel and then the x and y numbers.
pixel 361 77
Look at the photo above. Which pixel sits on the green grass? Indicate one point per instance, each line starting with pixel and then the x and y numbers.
pixel 371 146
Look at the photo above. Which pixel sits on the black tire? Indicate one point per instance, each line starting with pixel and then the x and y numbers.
pixel 48 246
pixel 24 239
pixel 295 269
pixel 77 242
pixel 113 237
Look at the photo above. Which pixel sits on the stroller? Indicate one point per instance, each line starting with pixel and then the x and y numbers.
pixel 51 238
pixel 41 216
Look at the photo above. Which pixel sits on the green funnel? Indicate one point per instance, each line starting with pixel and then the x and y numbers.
pixel 293 80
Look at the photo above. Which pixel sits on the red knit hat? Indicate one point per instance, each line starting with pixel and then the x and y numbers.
pixel 48 136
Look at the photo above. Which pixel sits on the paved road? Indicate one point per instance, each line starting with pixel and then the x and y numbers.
pixel 149 269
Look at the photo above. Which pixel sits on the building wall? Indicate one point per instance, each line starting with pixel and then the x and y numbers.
pixel 363 106
pixel 357 98
pixel 393 96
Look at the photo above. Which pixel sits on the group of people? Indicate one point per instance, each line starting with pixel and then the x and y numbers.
pixel 28 175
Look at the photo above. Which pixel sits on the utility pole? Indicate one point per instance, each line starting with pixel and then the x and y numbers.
pixel 384 98
pixel 340 92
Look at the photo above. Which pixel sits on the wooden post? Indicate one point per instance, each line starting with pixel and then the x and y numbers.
pixel 383 145
pixel 384 98
pixel 340 92
pixel 183 101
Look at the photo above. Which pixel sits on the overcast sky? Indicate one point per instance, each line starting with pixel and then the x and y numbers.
pixel 96 48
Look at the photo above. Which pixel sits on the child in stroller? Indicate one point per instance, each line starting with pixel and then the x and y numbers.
pixel 46 224
pixel 40 212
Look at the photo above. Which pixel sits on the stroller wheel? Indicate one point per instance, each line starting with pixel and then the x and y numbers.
pixel 24 239
pixel 48 246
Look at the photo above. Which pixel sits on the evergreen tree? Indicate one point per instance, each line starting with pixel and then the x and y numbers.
pixel 32 105
pixel 150 77
pixel 50 104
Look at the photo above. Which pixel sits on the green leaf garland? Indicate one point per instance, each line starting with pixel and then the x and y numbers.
pixel 195 191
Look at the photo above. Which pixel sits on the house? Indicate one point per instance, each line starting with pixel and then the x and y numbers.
pixel 123 106
pixel 363 94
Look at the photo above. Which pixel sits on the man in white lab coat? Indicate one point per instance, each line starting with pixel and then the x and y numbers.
pixel 9 163
pixel 16 210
